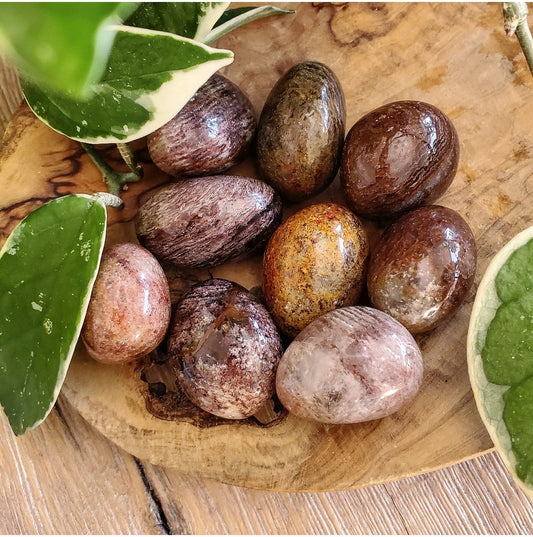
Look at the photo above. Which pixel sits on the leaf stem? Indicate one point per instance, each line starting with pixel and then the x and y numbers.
pixel 515 22
pixel 109 200
pixel 115 180
pixel 129 158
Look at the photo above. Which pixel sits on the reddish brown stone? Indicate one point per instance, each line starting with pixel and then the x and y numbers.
pixel 423 267
pixel 398 157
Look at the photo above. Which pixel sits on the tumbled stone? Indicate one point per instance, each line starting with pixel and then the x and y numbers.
pixel 400 156
pixel 351 365
pixel 423 267
pixel 225 349
pixel 314 262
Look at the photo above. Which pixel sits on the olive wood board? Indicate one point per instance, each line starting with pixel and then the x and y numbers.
pixel 455 56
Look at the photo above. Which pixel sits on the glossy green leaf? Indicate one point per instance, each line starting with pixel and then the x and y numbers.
pixel 47 270
pixel 233 18
pixel 500 355
pixel 187 19
pixel 61 45
pixel 149 78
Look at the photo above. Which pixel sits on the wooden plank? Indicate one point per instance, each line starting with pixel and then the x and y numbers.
pixel 65 475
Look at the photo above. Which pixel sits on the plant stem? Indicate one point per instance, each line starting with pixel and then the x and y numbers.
pixel 109 200
pixel 115 181
pixel 515 22
pixel 129 158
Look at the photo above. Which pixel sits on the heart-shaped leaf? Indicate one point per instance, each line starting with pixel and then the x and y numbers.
pixel 47 270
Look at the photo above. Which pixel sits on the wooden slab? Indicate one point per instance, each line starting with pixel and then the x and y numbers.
pixel 455 56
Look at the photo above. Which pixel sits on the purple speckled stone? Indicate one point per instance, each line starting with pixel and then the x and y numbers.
pixel 211 133
pixel 129 310
pixel 351 365
pixel 206 221
pixel 225 348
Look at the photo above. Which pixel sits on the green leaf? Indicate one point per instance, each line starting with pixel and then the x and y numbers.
pixel 62 46
pixel 187 19
pixel 149 78
pixel 515 269
pixel 233 18
pixel 47 270
pixel 508 350
pixel 518 417
pixel 500 355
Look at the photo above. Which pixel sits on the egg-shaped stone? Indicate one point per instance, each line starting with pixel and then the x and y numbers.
pixel 400 156
pixel 225 349
pixel 211 133
pixel 350 365
pixel 206 221
pixel 313 263
pixel 422 267
pixel 301 131
pixel 129 309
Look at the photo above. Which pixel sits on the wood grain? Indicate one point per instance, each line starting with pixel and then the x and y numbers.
pixel 66 477
pixel 293 454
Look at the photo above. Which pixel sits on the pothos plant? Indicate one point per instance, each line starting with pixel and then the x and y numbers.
pixel 107 72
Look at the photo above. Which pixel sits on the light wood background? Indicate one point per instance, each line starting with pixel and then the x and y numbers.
pixel 65 477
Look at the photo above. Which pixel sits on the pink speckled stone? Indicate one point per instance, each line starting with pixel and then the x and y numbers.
pixel 129 311
pixel 351 365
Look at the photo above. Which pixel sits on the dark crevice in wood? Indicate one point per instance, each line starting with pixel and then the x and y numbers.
pixel 59 413
pixel 156 504
pixel 397 510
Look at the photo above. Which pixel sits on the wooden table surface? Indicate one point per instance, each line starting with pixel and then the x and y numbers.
pixel 65 477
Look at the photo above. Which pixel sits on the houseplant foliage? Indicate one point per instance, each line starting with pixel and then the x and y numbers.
pixel 128 72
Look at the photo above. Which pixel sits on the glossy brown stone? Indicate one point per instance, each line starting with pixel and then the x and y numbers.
pixel 211 133
pixel 225 349
pixel 351 365
pixel 301 131
pixel 314 262
pixel 206 221
pixel 422 267
pixel 129 310
pixel 400 156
